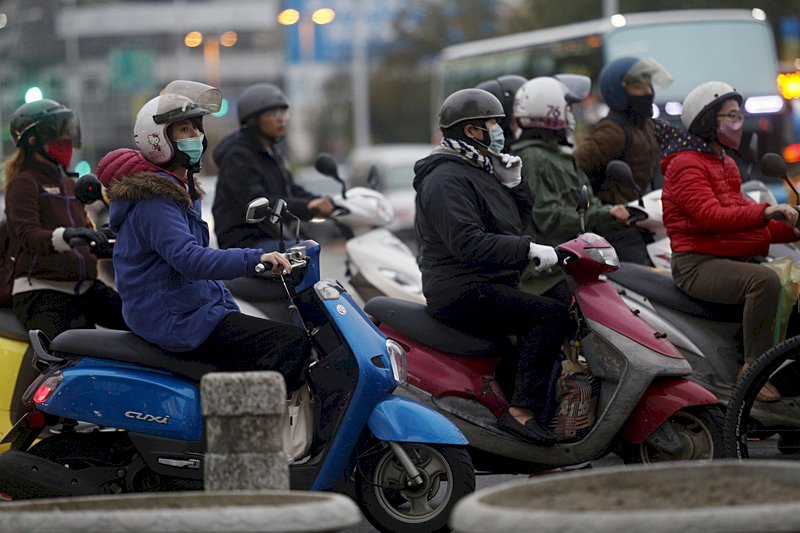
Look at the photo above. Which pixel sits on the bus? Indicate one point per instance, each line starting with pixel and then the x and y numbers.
pixel 731 45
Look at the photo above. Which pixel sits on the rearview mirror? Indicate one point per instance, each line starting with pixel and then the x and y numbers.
pixel 578 86
pixel 257 210
pixel 773 165
pixel 326 165
pixel 583 206
pixel 620 172
pixel 88 189
pixel 277 211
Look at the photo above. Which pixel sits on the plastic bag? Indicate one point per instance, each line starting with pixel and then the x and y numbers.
pixel 789 275
pixel 297 422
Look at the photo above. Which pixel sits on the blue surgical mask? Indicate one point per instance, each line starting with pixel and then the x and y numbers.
pixel 498 139
pixel 193 147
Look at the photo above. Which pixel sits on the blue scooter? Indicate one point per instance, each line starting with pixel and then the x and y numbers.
pixel 117 414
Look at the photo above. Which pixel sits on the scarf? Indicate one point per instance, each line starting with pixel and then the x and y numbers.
pixel 469 152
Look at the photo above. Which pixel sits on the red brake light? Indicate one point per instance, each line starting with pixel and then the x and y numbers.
pixel 47 388
pixel 791 154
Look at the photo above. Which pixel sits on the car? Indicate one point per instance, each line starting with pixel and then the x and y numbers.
pixel 389 169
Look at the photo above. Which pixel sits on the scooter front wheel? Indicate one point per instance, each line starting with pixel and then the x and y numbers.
pixel 691 433
pixel 393 502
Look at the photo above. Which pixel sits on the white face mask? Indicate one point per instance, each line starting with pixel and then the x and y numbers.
pixel 497 139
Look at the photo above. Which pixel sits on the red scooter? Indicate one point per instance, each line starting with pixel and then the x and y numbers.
pixel 647 411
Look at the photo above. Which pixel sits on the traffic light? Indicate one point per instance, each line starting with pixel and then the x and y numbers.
pixel 33 94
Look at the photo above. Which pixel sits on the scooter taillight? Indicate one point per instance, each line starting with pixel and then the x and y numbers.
pixel 47 388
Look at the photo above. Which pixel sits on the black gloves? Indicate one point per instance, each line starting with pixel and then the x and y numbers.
pixel 97 239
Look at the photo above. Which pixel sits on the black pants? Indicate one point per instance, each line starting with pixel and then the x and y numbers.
pixel 540 324
pixel 54 312
pixel 243 342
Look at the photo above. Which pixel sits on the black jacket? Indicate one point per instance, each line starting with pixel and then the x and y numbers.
pixel 469 227
pixel 247 170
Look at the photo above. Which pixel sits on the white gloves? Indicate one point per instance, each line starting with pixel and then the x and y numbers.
pixel 508 169
pixel 543 257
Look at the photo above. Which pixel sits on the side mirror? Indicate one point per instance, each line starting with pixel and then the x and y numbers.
pixel 257 210
pixel 326 165
pixel 373 181
pixel 277 211
pixel 620 172
pixel 88 189
pixel 773 165
pixel 583 206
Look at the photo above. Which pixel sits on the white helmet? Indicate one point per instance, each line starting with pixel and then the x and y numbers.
pixel 180 100
pixel 702 98
pixel 544 103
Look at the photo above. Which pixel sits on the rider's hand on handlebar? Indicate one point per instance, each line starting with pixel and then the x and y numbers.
pixel 278 261
pixel 543 257
pixel 323 205
pixel 782 213
pixel 90 236
pixel 620 213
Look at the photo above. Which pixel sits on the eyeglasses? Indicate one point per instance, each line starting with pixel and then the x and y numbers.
pixel 733 116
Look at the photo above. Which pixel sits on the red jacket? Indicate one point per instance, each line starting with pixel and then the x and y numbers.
pixel 705 212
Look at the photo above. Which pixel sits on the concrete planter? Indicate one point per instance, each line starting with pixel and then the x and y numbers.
pixel 719 496
pixel 191 512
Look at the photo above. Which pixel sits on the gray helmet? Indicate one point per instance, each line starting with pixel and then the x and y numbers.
pixel 469 104
pixel 258 98
pixel 504 88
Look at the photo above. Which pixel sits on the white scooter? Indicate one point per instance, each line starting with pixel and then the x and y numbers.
pixel 378 263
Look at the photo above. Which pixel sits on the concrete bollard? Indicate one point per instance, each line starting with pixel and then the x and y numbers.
pixel 243 431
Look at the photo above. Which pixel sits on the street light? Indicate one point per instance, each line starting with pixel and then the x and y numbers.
pixel 322 16
pixel 211 44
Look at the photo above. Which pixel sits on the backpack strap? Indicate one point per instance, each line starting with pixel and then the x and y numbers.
pixel 626 129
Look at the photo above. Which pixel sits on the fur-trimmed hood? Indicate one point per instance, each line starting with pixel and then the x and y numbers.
pixel 146 185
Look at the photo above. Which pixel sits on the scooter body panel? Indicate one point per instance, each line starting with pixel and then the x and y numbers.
pixel 129 397
pixel 600 302
pixel 402 420
pixel 661 400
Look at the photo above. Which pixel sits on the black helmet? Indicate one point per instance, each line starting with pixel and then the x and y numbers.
pixel 504 88
pixel 47 120
pixel 258 98
pixel 469 104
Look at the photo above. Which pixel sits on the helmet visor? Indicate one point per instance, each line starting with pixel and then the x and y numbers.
pixel 59 125
pixel 578 86
pixel 649 71
pixel 181 100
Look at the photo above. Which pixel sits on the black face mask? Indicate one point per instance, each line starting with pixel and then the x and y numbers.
pixel 641 105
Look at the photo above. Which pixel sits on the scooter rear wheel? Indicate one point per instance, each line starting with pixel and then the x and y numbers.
pixel 698 430
pixel 391 505
pixel 764 430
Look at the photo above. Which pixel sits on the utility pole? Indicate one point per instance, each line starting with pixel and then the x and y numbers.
pixel 360 76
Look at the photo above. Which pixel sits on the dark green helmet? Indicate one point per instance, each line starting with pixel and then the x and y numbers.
pixel 469 104
pixel 47 120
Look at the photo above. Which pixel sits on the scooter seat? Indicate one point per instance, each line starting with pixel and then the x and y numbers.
pixel 412 319
pixel 126 347
pixel 659 287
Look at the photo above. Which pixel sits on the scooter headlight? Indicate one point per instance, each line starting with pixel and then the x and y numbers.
pixel 397 357
pixel 607 256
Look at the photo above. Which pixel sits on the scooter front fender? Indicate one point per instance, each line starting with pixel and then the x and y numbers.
pixel 661 400
pixel 399 419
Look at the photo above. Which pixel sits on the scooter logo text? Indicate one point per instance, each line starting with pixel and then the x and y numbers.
pixel 147 417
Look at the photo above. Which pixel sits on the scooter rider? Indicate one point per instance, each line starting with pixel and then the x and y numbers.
pixel 251 166
pixel 715 232
pixel 55 286
pixel 166 273
pixel 471 209
pixel 542 110
pixel 626 133
pixel 504 88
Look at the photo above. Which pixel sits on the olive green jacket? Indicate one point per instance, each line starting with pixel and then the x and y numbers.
pixel 555 182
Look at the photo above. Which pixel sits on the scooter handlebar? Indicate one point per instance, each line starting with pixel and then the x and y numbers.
pixel 780 218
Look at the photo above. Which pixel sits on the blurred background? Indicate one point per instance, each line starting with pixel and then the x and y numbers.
pixel 357 73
